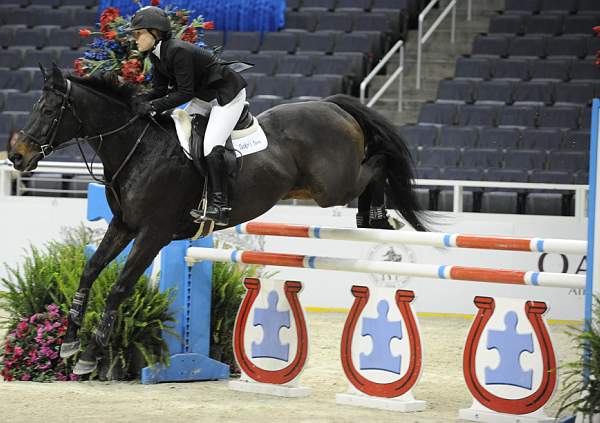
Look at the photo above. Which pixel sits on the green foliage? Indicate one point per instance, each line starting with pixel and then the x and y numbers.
pixel 579 393
pixel 51 275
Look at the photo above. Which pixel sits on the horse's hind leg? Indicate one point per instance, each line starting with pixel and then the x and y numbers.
pixel 146 247
pixel 371 202
pixel 114 241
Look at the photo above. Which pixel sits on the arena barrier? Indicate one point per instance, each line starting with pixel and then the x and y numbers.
pixel 509 363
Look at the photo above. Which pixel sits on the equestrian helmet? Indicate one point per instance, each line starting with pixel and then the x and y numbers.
pixel 151 17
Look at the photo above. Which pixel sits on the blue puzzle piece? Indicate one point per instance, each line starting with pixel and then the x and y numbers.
pixel 271 321
pixel 381 332
pixel 510 345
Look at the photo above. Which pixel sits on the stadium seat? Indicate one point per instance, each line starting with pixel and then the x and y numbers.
pixel 437 114
pixel 549 70
pixel 295 65
pixel 32 58
pixel 317 87
pixel 563 7
pixel 418 135
pixel 363 5
pixel 82 16
pixel 500 202
pixel 544 203
pixel 455 91
pixel 446 195
pixel 243 41
pixel 22 102
pixel 482 158
pixel 543 25
pixel 335 21
pixel 580 24
pixel 371 22
pixel 506 24
pixel 30 37
pixel 527 46
pixel 566 46
pixel 473 68
pixel 282 42
pixel 517 116
pixel 507 175
pixel 64 37
pixel 524 159
pixel 584 70
pixel 581 178
pixel 259 105
pixel 533 93
pixel 577 140
pixel 67 58
pixel 336 65
pixel 11 58
pixel 490 45
pixel 458 137
pixel 573 93
pixel 15 79
pixel 511 69
pixel 499 138
pixel 525 7
pixel 322 42
pixel 293 4
pixel 559 117
pixel 591 7
pixel 301 21
pixel 477 115
pixel 318 5
pixel 354 42
pixel 495 92
pixel 264 64
pixel 586 119
pixel 570 161
pixel 423 172
pixel 214 38
pixel 440 157
pixel 541 139
pixel 7 123
pixel 275 86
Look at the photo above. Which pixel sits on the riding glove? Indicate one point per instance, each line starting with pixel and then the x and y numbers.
pixel 144 108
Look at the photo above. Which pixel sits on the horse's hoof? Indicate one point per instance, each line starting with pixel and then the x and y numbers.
pixel 67 349
pixel 380 224
pixel 84 367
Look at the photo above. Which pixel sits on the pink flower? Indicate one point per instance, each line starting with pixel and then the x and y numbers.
pixel 73 377
pixel 47 326
pixel 25 377
pixel 61 377
pixel 53 310
pixel 18 351
pixel 33 318
pixel 22 326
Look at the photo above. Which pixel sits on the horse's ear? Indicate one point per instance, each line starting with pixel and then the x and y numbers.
pixel 44 74
pixel 58 79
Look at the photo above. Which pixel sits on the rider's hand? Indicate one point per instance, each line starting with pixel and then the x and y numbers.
pixel 143 108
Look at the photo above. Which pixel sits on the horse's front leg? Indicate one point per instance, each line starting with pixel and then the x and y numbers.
pixel 115 240
pixel 147 245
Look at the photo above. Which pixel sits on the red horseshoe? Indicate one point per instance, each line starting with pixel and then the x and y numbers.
pixel 363 384
pixel 531 403
pixel 288 373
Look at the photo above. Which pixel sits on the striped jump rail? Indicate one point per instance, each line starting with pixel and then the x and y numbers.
pixel 459 273
pixel 431 239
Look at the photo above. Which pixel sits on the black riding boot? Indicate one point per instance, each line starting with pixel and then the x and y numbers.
pixel 218 208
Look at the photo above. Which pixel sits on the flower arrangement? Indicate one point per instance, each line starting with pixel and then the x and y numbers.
pixel 31 351
pixel 113 50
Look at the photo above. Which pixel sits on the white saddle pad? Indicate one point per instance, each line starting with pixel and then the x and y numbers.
pixel 245 141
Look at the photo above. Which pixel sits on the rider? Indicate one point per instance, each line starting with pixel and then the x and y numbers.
pixel 181 72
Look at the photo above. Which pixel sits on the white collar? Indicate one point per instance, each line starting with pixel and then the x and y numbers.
pixel 156 50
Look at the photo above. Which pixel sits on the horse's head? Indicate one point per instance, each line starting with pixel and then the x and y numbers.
pixel 51 123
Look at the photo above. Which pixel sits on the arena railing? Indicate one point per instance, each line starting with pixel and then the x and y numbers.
pixel 422 38
pixel 398 74
pixel 8 175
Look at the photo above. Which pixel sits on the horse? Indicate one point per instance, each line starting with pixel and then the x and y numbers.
pixel 332 151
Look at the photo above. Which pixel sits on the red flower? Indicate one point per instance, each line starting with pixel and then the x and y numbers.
pixel 155 2
pixel 596 29
pixel 131 69
pixel 85 32
pixel 110 35
pixel 208 25
pixel 140 78
pixel 108 15
pixel 190 35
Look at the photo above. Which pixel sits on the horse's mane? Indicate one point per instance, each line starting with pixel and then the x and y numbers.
pixel 109 85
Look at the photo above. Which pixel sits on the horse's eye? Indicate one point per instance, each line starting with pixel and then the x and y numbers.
pixel 48 112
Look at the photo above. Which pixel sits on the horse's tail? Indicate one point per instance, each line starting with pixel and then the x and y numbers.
pixel 382 138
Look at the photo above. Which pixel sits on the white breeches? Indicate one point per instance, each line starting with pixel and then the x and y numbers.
pixel 222 119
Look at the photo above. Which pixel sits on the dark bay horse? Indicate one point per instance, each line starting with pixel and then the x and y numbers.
pixel 330 150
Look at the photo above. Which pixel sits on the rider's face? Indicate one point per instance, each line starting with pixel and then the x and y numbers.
pixel 145 41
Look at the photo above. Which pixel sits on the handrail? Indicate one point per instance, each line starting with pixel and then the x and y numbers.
pixel 422 39
pixel 397 74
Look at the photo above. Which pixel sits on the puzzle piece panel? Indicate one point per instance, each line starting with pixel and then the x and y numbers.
pixel 381 331
pixel 271 321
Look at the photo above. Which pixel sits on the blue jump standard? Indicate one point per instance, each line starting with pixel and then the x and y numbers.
pixel 189 351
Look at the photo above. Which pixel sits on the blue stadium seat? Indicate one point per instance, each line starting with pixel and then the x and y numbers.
pixel 30 37
pixel 577 140
pixel 317 87
pixel 506 24
pixel 67 58
pixel 15 79
pixel 563 7
pixel 512 69
pixel 295 64
pixel 500 201
pixel 440 157
pixel 418 135
pixel 524 7
pixel 559 117
pixel 322 42
pixel 437 114
pixel 524 159
pixel 335 21
pixel 364 5
pixel 549 70
pixel 423 172
pixel 507 175
pixel 336 65
pixel 566 46
pixel 456 91
pixel 533 93
pixel 527 46
pixel 473 68
pixel 293 4
pixel 541 139
pixel 275 86
pixel 264 64
pixel 32 58
pixel 570 161
pixel 495 92
pixel 7 123
pixel 11 58
pixel 283 42
pixel 371 22
pixel 477 115
pixel 64 37
pixel 482 158
pixel 354 42
pixel 544 24
pixel 574 94
pixel 580 24
pixel 446 194
pixel 243 41
pixel 499 138
pixel 301 21
pixel 517 116
pixel 259 105
pixel 318 5
pixel 214 38
pixel 545 203
pixel 458 137
pixel 82 16
pixel 581 178
pixel 22 102
pixel 490 45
